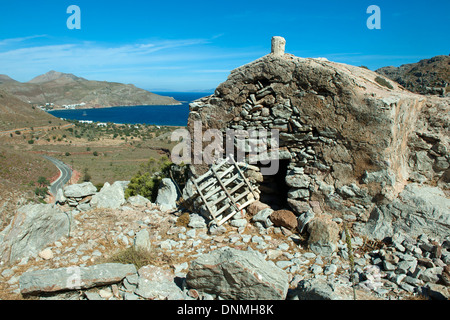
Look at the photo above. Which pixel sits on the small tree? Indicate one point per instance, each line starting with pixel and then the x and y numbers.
pixel 43 182
pixel 41 192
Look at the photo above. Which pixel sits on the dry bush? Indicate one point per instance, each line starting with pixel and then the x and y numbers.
pixel 140 257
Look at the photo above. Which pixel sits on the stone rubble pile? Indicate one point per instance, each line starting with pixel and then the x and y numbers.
pixel 258 261
pixel 84 196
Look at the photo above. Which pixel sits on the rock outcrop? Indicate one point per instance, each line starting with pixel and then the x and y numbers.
pixel 33 227
pixel 418 209
pixel 110 196
pixel 167 195
pixel 81 190
pixel 428 76
pixel 237 275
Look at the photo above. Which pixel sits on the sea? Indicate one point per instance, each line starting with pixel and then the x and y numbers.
pixel 151 115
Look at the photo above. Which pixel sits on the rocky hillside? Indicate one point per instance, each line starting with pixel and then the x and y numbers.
pixel 15 113
pixel 97 246
pixel 428 76
pixel 67 89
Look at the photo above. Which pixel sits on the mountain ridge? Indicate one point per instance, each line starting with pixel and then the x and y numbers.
pixel 54 75
pixel 60 89
pixel 427 76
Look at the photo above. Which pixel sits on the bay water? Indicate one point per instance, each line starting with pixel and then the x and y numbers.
pixel 152 115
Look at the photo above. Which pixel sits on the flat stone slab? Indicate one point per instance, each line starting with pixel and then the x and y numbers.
pixel 80 190
pixel 73 278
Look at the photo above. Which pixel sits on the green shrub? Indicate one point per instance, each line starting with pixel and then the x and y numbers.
pixel 30 141
pixel 42 181
pixel 41 192
pixel 383 82
pixel 146 181
pixel 145 185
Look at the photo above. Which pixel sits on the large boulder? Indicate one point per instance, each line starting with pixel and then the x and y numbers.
pixel 284 218
pixel 237 275
pixel 110 196
pixel 256 207
pixel 80 190
pixel 417 210
pixel 33 228
pixel 73 278
pixel 167 195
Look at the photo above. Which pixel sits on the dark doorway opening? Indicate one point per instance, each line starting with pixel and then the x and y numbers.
pixel 274 190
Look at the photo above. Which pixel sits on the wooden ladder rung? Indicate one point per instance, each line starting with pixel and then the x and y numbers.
pixel 243 177
pixel 242 195
pixel 241 207
pixel 237 187
pixel 204 201
pixel 211 181
pixel 216 189
pixel 223 174
pixel 225 207
pixel 219 165
pixel 206 184
pixel 223 197
pixel 228 205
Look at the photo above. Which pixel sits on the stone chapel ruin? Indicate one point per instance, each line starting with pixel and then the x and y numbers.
pixel 347 144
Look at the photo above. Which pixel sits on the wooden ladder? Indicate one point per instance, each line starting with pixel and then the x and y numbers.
pixel 224 190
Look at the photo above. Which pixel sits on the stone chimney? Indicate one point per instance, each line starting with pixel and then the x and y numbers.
pixel 278 46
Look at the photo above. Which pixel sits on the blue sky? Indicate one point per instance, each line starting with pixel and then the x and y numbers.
pixel 193 45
